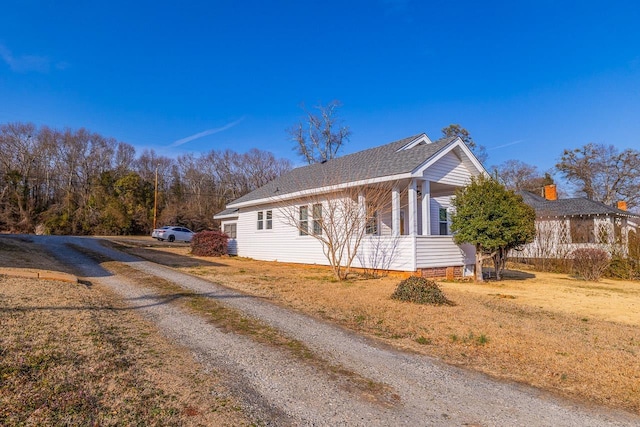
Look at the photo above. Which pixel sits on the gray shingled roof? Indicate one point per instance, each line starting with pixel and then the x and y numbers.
pixel 376 162
pixel 569 207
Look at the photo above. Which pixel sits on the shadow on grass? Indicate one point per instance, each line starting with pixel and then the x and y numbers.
pixel 141 302
pixel 509 275
pixel 165 258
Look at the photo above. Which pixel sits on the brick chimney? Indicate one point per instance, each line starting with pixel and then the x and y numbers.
pixel 550 192
pixel 622 205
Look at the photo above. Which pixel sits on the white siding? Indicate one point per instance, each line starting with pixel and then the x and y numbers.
pixel 385 219
pixel 441 251
pixel 282 243
pixel 436 204
pixel 386 253
pixel 448 170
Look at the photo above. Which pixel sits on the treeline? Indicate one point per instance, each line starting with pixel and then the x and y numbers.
pixel 79 182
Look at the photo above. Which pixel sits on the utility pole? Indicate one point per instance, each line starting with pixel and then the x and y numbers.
pixel 155 201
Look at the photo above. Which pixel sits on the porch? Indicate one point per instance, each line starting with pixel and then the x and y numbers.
pixel 428 255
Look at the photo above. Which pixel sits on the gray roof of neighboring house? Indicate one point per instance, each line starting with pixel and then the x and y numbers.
pixel 375 162
pixel 569 207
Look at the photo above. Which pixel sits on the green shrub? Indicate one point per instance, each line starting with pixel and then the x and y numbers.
pixel 623 268
pixel 209 243
pixel 420 291
pixel 590 263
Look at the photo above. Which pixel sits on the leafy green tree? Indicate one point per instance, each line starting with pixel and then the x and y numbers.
pixel 493 219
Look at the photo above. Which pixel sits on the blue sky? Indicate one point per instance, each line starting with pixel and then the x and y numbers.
pixel 527 79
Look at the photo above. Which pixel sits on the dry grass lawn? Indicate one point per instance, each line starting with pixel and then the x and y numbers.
pixel 72 354
pixel 576 338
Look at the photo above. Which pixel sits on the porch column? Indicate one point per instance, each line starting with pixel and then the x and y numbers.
pixel 395 211
pixel 426 208
pixel 413 208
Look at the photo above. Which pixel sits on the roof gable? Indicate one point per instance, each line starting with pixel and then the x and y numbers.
pixel 422 139
pixel 460 150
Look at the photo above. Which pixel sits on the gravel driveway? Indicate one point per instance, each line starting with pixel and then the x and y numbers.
pixel 278 389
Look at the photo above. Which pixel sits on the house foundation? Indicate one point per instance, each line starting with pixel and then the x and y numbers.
pixel 449 273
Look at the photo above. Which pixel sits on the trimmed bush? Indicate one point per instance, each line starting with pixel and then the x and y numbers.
pixel 209 243
pixel 590 263
pixel 420 291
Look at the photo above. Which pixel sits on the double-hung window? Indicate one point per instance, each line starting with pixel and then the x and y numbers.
pixel 444 223
pixel 303 224
pixel 269 224
pixel 371 226
pixel 265 220
pixel 317 218
pixel 230 230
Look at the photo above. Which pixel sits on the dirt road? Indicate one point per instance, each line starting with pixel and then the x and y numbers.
pixel 278 389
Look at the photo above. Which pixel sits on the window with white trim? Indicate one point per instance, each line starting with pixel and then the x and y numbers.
pixel 269 220
pixel 303 220
pixel 317 218
pixel 444 222
pixel 371 226
pixel 230 230
pixel 265 220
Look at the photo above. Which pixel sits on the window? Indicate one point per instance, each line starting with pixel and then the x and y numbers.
pixel 444 224
pixel 371 226
pixel 617 230
pixel 265 224
pixel 230 230
pixel 269 220
pixel 581 230
pixel 317 218
pixel 303 224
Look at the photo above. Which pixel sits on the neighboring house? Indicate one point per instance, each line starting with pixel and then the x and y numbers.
pixel 408 232
pixel 563 225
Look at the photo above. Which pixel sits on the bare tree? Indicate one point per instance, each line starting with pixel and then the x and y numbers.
pixel 21 162
pixel 603 173
pixel 261 167
pixel 320 136
pixel 518 176
pixel 339 219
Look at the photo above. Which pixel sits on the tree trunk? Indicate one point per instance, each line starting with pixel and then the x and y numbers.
pixel 497 265
pixel 478 269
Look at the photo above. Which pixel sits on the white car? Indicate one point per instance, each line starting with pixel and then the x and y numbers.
pixel 172 234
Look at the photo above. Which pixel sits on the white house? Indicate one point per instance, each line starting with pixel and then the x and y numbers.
pixel 407 231
pixel 563 225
